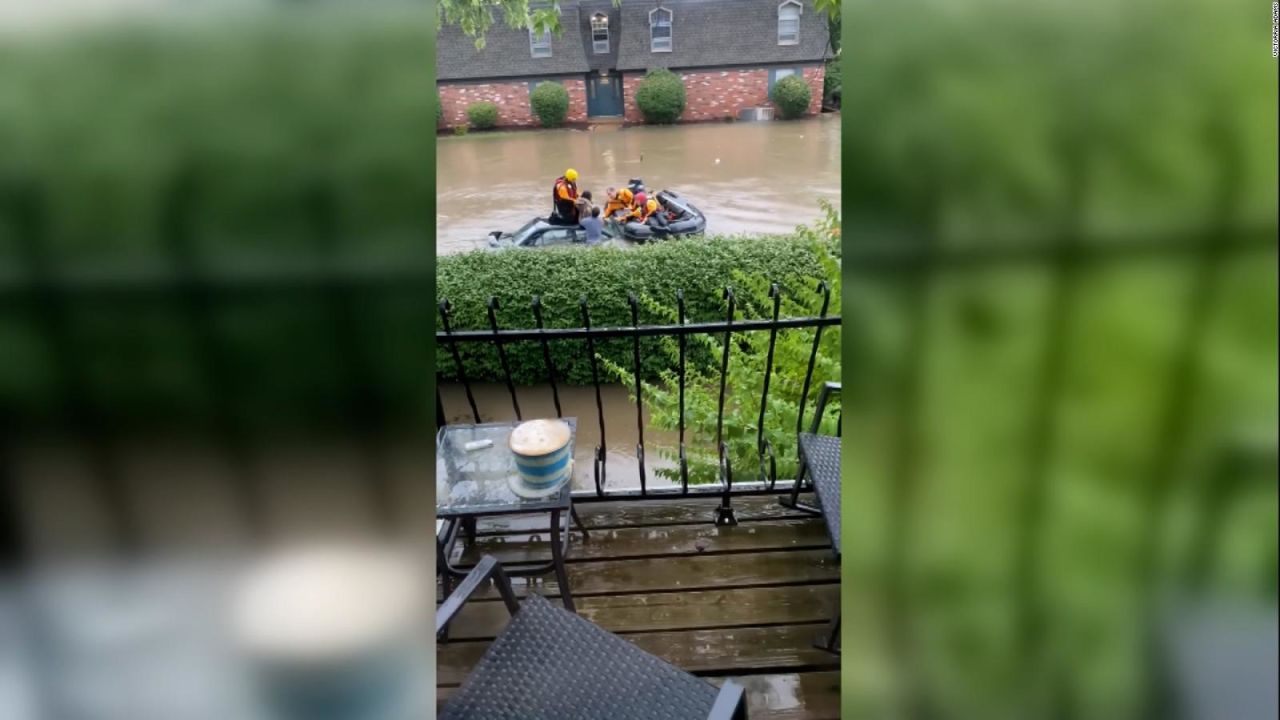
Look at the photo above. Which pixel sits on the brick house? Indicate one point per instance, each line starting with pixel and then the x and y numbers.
pixel 729 53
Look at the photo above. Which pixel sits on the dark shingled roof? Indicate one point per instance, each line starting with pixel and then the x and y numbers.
pixel 506 52
pixel 588 8
pixel 719 32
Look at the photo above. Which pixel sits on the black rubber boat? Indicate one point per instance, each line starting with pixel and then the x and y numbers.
pixel 677 218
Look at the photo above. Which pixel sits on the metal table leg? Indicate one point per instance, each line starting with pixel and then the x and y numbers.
pixel 829 640
pixel 557 558
pixel 573 510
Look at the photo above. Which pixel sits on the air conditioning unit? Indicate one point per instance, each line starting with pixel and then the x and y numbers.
pixel 756 114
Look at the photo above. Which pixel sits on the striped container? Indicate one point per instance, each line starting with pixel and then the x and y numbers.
pixel 542 453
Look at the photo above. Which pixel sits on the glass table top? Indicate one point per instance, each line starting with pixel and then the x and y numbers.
pixel 472 482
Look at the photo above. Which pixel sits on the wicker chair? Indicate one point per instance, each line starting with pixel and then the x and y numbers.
pixel 550 664
pixel 820 462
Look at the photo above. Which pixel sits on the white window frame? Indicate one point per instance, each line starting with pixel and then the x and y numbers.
pixel 789 37
pixel 539 48
pixel 671 22
pixel 600 22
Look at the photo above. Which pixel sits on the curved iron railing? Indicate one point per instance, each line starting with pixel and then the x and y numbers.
pixel 766 479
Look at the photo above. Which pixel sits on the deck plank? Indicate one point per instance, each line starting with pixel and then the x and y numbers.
pixel 686 573
pixel 617 543
pixel 708 652
pixel 790 696
pixel 672 611
pixel 741 602
pixel 647 513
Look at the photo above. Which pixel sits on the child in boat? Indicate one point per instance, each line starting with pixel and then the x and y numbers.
pixel 583 205
pixel 645 208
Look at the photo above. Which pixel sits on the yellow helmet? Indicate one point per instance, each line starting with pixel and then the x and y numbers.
pixel 571 175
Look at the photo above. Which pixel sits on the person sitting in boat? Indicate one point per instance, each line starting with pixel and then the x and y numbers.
pixel 646 209
pixel 619 202
pixel 563 196
pixel 583 205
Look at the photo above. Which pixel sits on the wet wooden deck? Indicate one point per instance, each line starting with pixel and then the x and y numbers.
pixel 741 602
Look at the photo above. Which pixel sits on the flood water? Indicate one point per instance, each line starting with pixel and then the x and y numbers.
pixel 576 401
pixel 764 177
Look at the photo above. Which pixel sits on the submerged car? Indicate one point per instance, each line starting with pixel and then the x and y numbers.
pixel 540 233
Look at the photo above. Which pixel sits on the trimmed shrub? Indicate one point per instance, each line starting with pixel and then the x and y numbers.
pixel 660 97
pixel 482 115
pixel 791 94
pixel 550 103
pixel 605 275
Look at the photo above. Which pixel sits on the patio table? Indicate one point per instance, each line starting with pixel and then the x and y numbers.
pixel 471 484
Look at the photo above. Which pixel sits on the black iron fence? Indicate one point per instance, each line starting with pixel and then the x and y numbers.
pixel 586 337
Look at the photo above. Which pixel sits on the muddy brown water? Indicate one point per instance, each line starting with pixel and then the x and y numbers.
pixel 621 431
pixel 752 178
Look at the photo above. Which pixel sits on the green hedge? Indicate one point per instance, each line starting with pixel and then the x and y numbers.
pixel 550 103
pixel 482 115
pixel 660 97
pixel 605 275
pixel 792 95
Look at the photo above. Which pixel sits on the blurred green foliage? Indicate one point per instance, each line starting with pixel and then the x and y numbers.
pixel 976 122
pixel 255 113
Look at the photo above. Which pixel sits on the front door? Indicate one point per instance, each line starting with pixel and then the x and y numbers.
pixel 604 95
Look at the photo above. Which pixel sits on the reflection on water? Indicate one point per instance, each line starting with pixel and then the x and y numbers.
pixel 623 471
pixel 747 177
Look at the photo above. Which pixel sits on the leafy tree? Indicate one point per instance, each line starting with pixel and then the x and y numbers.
pixel 748 361
pixel 661 97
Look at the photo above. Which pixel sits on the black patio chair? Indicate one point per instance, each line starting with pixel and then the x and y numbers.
pixel 550 664
pixel 820 463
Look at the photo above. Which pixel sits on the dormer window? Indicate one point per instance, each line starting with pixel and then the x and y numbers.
pixel 600 33
pixel 540 43
pixel 789 23
pixel 660 30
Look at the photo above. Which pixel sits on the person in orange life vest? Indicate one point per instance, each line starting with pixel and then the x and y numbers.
pixel 563 196
pixel 645 208
pixel 620 201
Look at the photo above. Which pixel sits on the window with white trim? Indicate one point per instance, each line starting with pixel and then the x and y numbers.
pixel 540 43
pixel 789 23
pixel 600 33
pixel 660 30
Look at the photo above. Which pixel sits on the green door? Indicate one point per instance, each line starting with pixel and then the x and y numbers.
pixel 604 95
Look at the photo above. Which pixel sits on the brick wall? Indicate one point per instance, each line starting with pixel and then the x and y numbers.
pixel 512 99
pixel 717 94
pixel 815 76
